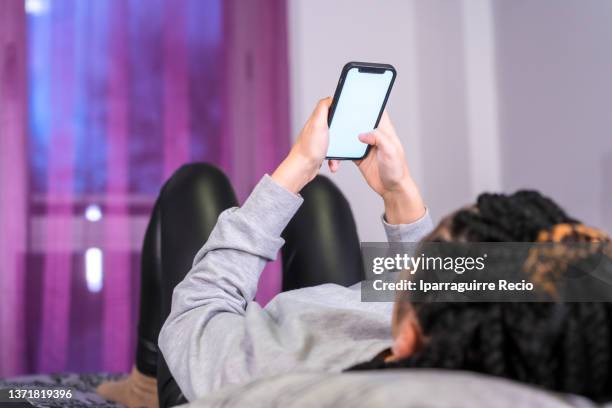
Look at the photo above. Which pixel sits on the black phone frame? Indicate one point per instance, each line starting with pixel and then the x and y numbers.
pixel 361 66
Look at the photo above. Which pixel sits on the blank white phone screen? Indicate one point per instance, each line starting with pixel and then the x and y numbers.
pixel 358 107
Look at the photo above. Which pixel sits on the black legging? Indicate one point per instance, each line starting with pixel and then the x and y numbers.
pixel 321 247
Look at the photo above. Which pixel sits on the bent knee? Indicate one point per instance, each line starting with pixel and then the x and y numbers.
pixel 193 177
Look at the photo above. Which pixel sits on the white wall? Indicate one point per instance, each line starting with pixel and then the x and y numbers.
pixel 555 88
pixel 424 41
pixel 490 95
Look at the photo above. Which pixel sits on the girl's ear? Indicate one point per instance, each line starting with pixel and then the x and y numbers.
pixel 407 339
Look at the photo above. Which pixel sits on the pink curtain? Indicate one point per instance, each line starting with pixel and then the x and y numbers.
pixel 257 101
pixel 13 184
pixel 119 95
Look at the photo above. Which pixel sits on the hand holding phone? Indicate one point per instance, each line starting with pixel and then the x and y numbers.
pixel 357 106
pixel 308 152
pixel 358 125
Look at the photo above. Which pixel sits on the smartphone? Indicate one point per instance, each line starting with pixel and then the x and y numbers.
pixel 358 104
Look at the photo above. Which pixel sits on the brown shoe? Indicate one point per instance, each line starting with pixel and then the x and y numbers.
pixel 135 391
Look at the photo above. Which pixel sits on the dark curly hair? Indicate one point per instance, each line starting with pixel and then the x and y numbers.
pixel 560 346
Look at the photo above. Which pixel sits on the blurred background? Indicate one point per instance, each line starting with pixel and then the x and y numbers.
pixel 102 100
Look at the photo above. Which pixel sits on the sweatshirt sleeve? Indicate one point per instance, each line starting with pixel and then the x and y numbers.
pixel 221 283
pixel 413 232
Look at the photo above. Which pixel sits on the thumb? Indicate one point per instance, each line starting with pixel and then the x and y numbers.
pixel 376 138
pixel 385 123
pixel 368 138
pixel 319 115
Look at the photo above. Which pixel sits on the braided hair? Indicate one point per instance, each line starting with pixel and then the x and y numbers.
pixel 559 346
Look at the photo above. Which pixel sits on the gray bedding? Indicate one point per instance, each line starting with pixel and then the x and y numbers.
pixel 389 388
pixel 83 388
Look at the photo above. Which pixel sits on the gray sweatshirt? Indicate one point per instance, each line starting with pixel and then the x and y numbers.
pixel 217 335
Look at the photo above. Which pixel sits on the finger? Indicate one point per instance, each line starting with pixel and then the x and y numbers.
pixel 334 165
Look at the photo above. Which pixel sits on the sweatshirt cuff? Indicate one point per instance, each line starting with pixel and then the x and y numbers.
pixel 413 232
pixel 271 206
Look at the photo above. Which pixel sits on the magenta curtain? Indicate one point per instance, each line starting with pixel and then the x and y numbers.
pixel 256 101
pixel 13 185
pixel 115 96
